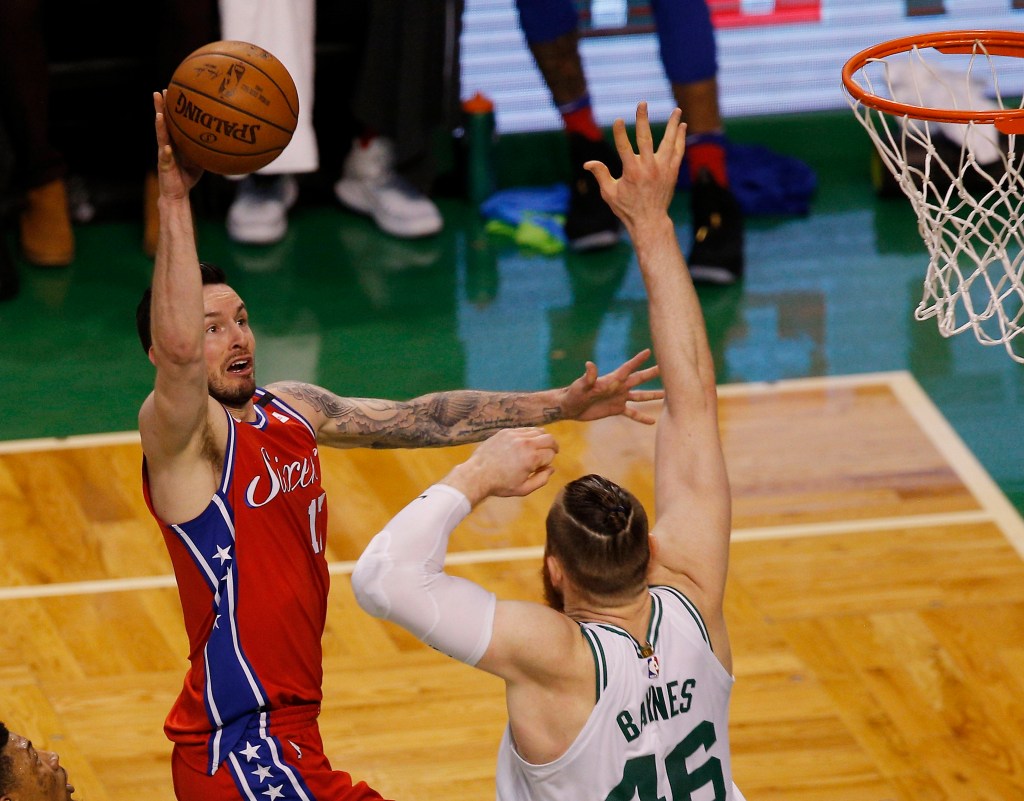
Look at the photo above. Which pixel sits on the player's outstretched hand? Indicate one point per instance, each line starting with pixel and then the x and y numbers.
pixel 512 462
pixel 649 175
pixel 591 397
pixel 177 175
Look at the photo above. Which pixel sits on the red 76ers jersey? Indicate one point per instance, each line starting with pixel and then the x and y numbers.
pixel 253 582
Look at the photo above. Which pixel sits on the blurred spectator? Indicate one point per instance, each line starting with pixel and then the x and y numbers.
pixel 407 89
pixel 9 278
pixel 406 86
pixel 39 180
pixel 45 234
pixel 689 56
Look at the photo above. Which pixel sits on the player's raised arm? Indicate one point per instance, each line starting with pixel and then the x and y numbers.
pixel 580 671
pixel 691 485
pixel 173 420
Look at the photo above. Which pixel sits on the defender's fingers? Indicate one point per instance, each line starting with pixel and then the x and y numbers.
pixel 537 480
pixel 622 143
pixel 600 172
pixel 644 140
pixel 668 139
pixel 680 144
pixel 541 439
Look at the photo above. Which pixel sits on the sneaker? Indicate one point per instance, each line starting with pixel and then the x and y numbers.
pixel 47 239
pixel 259 213
pixel 717 253
pixel 589 222
pixel 369 185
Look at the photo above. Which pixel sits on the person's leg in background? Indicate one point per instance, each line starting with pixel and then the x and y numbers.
pixel 46 236
pixel 287 29
pixel 10 280
pixel 406 90
pixel 688 53
pixel 184 26
pixel 551 31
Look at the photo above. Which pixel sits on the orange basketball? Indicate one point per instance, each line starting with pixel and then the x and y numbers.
pixel 231 107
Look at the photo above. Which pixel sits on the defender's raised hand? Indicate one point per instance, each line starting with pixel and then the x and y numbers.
pixel 649 175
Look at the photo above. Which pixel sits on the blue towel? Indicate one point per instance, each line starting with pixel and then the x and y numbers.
pixel 510 205
pixel 535 215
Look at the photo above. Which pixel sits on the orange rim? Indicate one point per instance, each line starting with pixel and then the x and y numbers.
pixel 997 43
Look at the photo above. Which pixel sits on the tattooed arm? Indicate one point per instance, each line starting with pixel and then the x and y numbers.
pixel 460 416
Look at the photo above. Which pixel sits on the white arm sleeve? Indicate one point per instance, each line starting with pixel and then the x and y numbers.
pixel 400 577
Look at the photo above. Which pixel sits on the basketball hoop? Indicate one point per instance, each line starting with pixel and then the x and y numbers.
pixel 943 128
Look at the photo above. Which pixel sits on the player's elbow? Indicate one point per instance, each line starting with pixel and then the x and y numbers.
pixel 369 582
pixel 177 351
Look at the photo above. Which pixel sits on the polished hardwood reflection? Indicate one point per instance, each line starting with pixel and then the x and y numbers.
pixel 876 601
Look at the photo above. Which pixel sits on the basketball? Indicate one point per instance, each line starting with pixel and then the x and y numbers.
pixel 231 107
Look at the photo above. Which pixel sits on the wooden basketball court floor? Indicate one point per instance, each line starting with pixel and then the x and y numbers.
pixel 876 600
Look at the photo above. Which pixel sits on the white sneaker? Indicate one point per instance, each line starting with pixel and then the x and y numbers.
pixel 369 185
pixel 259 213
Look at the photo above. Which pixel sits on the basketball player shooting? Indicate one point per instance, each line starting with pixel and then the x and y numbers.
pixel 232 475
pixel 619 687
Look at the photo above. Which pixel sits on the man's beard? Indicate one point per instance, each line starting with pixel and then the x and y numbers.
pixel 235 396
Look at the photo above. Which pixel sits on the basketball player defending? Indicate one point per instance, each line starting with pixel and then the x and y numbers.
pixel 232 474
pixel 618 688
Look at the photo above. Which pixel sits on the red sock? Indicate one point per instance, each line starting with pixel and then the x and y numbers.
pixel 578 117
pixel 710 155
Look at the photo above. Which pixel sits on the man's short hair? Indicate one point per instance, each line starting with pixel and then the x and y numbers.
pixel 211 274
pixel 6 764
pixel 598 531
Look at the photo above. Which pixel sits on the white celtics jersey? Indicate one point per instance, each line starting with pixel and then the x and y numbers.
pixel 659 729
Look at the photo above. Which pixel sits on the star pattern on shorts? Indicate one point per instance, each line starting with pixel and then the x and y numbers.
pixel 262 772
pixel 273 792
pixel 250 752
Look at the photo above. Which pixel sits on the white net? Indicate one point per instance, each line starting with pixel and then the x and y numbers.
pixel 964 183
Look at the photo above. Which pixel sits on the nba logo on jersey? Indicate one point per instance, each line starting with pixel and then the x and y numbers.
pixel 281 417
pixel 653 667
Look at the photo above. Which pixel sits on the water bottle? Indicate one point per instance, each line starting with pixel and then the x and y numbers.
pixel 481 139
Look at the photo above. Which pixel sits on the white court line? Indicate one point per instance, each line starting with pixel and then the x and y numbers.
pixel 64 443
pixel 960 458
pixel 495 555
pixel 996 508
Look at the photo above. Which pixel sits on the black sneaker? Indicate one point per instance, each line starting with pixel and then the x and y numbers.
pixel 589 223
pixel 717 253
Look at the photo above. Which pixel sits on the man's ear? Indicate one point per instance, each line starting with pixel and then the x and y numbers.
pixel 555 573
pixel 653 546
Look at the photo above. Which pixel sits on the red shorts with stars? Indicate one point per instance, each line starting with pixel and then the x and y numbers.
pixel 267 766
